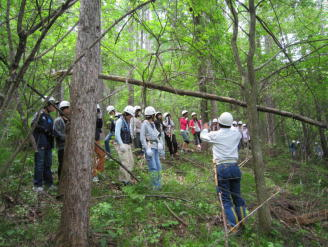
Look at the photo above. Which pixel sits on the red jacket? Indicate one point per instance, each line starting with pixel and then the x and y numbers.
pixel 192 125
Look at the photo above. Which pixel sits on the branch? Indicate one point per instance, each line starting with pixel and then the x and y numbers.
pixel 58 41
pixel 205 96
pixel 175 216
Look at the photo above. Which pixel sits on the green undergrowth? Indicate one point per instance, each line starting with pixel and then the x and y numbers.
pixel 135 215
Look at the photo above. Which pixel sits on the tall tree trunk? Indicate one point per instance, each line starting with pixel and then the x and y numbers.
pixel 214 109
pixel 322 135
pixel 78 158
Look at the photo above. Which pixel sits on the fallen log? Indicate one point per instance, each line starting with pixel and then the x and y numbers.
pixel 309 218
pixel 205 96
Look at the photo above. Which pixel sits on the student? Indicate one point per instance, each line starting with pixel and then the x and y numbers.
pixel 43 136
pixel 234 125
pixel 292 148
pixel 246 136
pixel 100 157
pixel 170 138
pixel 59 133
pixel 240 129
pixel 135 131
pixel 196 127
pixel 184 130
pixel 215 125
pixel 111 112
pixel 160 128
pixel 151 144
pixel 225 154
pixel 124 141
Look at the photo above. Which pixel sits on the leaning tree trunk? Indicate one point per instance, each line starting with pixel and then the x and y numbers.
pixel 79 147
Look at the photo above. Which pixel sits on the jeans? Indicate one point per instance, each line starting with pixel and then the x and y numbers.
pixel 42 168
pixel 60 162
pixel 229 177
pixel 107 139
pixel 154 166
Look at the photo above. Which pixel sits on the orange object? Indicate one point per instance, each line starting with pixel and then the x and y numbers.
pixel 99 165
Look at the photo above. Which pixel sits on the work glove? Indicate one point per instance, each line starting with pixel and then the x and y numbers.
pixel 123 148
pixel 149 152
pixel 160 146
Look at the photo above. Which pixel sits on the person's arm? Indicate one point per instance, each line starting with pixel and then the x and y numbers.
pixel 118 127
pixel 59 129
pixel 205 135
pixel 143 135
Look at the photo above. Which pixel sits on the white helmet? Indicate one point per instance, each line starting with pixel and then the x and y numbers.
pixel 293 141
pixel 166 114
pixel 118 114
pixel 51 99
pixel 225 119
pixel 184 112
pixel 240 122
pixel 110 108
pixel 215 120
pixel 149 111
pixel 234 123
pixel 193 114
pixel 244 125
pixel 157 113
pixel 63 104
pixel 129 109
pixel 137 107
pixel 98 106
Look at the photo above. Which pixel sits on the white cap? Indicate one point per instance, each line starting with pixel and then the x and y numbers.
pixel 149 111
pixel 215 120
pixel 129 109
pixel 184 112
pixel 165 114
pixel 137 107
pixel 63 104
pixel 234 122
pixel 52 99
pixel 110 108
pixel 225 119
pixel 193 114
pixel 240 122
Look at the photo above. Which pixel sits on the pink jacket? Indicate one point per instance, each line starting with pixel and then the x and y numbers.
pixel 184 123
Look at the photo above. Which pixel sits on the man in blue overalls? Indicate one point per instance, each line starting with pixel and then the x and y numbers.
pixel 43 136
pixel 225 154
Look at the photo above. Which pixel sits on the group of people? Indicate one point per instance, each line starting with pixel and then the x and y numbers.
pixel 147 137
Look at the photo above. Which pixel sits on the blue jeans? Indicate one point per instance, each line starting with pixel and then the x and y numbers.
pixel 42 168
pixel 107 139
pixel 154 166
pixel 229 176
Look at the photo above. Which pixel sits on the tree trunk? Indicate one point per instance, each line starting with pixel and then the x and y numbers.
pixel 251 91
pixel 78 158
pixel 214 109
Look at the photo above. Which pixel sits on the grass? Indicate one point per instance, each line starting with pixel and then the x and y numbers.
pixel 135 219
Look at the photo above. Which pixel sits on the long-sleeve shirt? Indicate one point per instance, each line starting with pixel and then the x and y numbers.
pixel 43 132
pixel 149 133
pixel 184 123
pixel 168 126
pixel 59 132
pixel 225 143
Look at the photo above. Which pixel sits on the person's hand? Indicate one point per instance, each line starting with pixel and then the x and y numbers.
pixel 149 152
pixel 123 149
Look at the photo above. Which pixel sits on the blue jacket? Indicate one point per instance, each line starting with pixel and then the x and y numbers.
pixel 43 132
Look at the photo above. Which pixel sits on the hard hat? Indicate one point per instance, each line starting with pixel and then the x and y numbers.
pixel 137 107
pixel 193 114
pixel 98 106
pixel 225 119
pixel 63 104
pixel 184 112
pixel 240 122
pixel 110 108
pixel 234 123
pixel 244 125
pixel 166 114
pixel 117 114
pixel 293 141
pixel 215 120
pixel 149 111
pixel 158 113
pixel 51 99
pixel 129 109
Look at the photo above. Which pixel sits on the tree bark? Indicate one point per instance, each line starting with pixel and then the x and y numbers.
pixel 78 158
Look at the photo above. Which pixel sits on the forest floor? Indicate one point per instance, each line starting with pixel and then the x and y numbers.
pixel 185 212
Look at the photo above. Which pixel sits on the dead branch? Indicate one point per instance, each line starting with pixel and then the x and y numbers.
pixel 309 218
pixel 175 216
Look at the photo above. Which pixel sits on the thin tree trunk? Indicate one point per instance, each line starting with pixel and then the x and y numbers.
pixel 78 157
